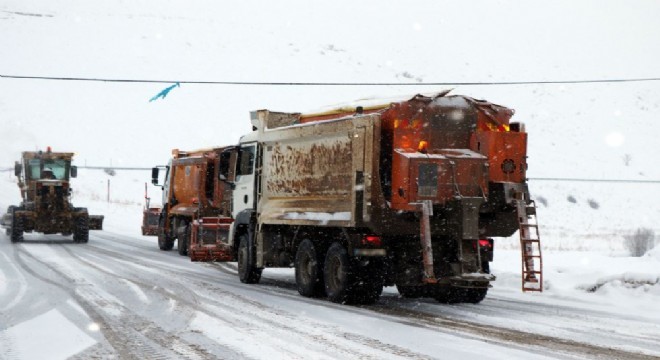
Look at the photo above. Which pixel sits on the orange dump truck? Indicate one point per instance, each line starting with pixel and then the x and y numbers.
pixel 191 191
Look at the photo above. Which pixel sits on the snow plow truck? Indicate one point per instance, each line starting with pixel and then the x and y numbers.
pixel 406 193
pixel 191 191
pixel 44 181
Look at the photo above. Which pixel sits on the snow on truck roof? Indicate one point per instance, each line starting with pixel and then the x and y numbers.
pixel 370 103
pixel 276 119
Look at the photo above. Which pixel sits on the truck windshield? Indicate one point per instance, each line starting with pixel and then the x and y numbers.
pixel 59 168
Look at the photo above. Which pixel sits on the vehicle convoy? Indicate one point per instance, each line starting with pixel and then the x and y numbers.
pixel 191 190
pixel 44 182
pixel 408 193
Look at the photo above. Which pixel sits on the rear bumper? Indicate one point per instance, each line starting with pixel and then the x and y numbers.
pixel 475 280
pixel 210 253
pixel 149 230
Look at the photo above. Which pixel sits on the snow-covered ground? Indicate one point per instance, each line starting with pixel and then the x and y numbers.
pixel 599 131
pixel 599 297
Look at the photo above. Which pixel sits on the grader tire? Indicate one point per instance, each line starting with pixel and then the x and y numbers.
pixel 81 230
pixel 16 228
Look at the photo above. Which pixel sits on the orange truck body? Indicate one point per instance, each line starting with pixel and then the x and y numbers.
pixel 191 192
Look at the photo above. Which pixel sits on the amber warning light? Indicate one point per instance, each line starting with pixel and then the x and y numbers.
pixel 423 146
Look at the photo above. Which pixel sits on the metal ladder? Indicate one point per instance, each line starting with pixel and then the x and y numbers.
pixel 530 244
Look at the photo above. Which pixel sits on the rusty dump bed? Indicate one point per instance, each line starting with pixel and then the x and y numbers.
pixel 365 166
pixel 309 171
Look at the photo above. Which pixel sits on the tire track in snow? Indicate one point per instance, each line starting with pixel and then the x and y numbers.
pixel 439 322
pixel 509 336
pixel 22 286
pixel 113 337
pixel 148 328
pixel 250 311
pixel 131 336
pixel 6 340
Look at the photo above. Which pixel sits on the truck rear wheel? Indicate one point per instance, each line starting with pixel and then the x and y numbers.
pixel 248 273
pixel 412 291
pixel 165 242
pixel 184 240
pixel 16 227
pixel 453 295
pixel 346 282
pixel 309 270
pixel 337 274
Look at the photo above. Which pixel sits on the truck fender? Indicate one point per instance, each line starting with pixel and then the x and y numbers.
pixel 243 223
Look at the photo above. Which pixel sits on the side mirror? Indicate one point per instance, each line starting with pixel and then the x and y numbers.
pixel 154 176
pixel 74 171
pixel 17 169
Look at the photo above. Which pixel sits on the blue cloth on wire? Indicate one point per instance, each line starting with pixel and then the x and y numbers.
pixel 164 93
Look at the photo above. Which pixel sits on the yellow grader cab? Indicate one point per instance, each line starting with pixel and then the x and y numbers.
pixel 44 182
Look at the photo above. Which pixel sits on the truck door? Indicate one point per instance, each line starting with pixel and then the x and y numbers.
pixel 244 192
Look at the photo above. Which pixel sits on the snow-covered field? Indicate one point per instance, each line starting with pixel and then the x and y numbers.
pixel 599 131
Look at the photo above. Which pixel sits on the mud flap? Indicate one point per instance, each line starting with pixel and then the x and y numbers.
pixel 426 208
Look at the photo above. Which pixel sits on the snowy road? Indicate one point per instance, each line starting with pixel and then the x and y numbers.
pixel 121 296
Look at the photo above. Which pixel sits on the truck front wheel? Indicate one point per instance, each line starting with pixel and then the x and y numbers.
pixel 247 272
pixel 165 242
pixel 309 270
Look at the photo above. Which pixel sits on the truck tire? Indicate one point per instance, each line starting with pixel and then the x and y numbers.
pixel 309 270
pixel 184 240
pixel 337 274
pixel 81 229
pixel 16 227
pixel 412 292
pixel 165 242
pixel 474 296
pixel 453 295
pixel 370 286
pixel 248 273
pixel 346 282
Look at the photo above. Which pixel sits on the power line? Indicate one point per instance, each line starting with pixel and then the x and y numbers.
pixel 293 83
pixel 112 168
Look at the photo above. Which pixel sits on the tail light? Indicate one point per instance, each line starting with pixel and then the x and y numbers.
pixel 486 243
pixel 372 240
